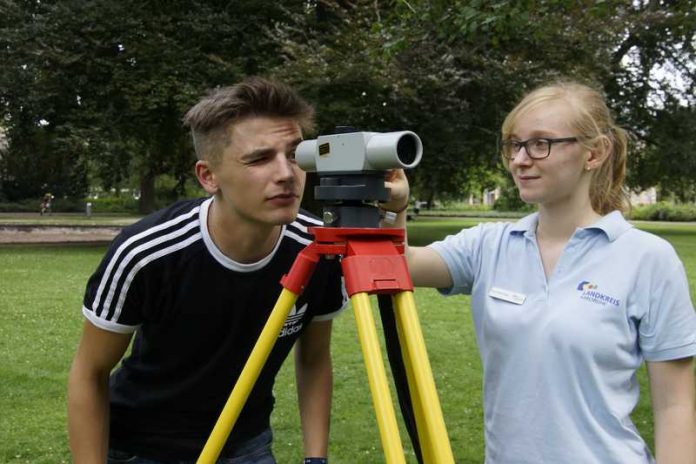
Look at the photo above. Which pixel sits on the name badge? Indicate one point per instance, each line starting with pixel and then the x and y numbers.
pixel 507 295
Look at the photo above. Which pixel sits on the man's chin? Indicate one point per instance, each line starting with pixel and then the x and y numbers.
pixel 285 216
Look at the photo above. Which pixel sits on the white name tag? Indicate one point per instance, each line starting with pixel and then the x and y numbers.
pixel 507 295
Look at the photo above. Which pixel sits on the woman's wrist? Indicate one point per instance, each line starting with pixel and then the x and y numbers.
pixel 389 217
pixel 400 210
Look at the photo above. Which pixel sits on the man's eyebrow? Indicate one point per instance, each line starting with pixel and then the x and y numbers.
pixel 259 152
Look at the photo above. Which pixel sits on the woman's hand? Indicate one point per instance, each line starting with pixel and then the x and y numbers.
pixel 397 183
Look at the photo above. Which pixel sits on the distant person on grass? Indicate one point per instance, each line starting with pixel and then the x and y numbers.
pixel 569 301
pixel 46 204
pixel 196 282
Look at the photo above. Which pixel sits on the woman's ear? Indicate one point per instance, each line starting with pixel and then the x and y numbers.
pixel 206 177
pixel 598 154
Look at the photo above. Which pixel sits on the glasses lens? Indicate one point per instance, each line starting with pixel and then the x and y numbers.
pixel 510 147
pixel 538 148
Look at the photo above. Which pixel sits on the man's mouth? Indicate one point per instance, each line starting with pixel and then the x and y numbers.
pixel 283 196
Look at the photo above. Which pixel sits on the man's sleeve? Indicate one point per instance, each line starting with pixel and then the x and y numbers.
pixel 111 299
pixel 331 298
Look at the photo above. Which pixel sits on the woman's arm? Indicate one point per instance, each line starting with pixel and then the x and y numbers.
pixel 674 409
pixel 426 266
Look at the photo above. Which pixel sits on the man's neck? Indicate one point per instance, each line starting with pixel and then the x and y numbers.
pixel 239 240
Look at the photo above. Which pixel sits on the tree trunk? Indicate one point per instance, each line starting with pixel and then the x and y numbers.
pixel 146 204
pixel 430 200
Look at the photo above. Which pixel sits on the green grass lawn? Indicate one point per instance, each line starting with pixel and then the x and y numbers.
pixel 67 219
pixel 40 321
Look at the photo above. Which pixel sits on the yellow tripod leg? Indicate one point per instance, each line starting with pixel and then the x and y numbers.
pixel 247 378
pixel 377 377
pixel 421 382
pixel 418 411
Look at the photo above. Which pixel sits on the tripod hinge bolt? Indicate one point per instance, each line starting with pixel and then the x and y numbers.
pixel 329 217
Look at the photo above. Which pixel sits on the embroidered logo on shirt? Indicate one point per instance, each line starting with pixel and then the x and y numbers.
pixel 292 323
pixel 590 293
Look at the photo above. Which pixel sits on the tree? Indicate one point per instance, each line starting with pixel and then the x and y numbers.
pixel 447 70
pixel 669 157
pixel 120 75
pixel 451 70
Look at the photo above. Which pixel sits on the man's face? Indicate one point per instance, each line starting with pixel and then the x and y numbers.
pixel 258 179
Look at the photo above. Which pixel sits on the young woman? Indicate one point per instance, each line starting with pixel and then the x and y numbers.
pixel 569 301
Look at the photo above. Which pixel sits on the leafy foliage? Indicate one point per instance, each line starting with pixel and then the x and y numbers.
pixel 96 89
pixel 116 78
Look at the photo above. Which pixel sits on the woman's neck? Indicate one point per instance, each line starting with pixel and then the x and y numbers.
pixel 559 222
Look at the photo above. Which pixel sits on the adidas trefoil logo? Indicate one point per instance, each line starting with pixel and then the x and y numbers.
pixel 292 323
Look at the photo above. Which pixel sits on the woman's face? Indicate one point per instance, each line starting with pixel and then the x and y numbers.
pixel 559 178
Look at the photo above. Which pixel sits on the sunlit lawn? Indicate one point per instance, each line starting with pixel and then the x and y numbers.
pixel 40 320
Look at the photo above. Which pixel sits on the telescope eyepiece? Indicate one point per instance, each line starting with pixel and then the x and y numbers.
pixel 407 149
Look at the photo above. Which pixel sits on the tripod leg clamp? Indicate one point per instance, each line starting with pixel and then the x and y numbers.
pixel 377 274
pixel 301 271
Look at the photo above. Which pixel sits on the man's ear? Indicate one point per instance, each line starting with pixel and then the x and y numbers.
pixel 206 177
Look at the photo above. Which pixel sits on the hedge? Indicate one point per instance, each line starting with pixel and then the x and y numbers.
pixel 663 211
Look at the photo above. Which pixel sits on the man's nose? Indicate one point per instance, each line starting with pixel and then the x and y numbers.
pixel 284 167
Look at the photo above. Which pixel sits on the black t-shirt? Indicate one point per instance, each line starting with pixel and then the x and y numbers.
pixel 197 316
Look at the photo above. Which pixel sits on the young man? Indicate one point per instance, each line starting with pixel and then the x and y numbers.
pixel 196 283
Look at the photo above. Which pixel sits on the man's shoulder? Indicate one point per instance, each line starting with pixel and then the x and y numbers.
pixel 298 230
pixel 176 225
pixel 308 219
pixel 178 214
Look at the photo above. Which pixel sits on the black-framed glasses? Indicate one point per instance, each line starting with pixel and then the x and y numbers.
pixel 537 147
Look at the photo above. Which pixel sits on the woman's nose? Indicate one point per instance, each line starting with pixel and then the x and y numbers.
pixel 521 156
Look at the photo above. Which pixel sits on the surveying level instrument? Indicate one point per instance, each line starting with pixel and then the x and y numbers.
pixel 351 167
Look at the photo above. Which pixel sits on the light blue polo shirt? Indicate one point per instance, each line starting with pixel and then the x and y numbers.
pixel 560 355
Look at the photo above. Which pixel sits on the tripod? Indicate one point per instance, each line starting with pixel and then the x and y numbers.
pixel 373 263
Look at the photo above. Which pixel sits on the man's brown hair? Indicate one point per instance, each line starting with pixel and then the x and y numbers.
pixel 211 117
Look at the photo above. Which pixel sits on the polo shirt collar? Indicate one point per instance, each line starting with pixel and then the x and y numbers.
pixel 526 226
pixel 613 225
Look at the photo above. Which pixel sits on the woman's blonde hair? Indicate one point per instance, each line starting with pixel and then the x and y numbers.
pixel 597 129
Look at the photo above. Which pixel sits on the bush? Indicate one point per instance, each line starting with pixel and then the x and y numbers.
pixel 463 206
pixel 509 200
pixel 20 206
pixel 30 205
pixel 68 205
pixel 73 205
pixel 664 211
pixel 121 204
